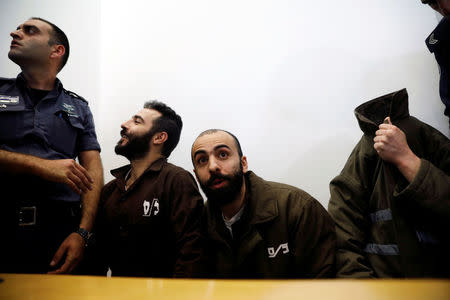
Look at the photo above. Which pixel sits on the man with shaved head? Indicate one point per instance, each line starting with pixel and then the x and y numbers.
pixel 258 228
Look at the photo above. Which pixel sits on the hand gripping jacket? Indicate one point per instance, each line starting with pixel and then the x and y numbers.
pixel 387 227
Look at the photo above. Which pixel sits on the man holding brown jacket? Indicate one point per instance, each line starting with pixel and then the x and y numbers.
pixel 391 201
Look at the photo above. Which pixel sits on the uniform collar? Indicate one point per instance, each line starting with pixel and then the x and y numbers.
pixel 262 199
pixel 23 82
pixel 121 172
pixel 372 113
pixel 157 165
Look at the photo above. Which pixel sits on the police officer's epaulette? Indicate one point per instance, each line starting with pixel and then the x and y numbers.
pixel 75 95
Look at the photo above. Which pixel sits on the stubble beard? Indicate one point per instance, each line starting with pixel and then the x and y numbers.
pixel 17 58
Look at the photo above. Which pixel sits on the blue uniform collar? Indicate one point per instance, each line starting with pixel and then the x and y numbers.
pixel 23 82
pixel 64 104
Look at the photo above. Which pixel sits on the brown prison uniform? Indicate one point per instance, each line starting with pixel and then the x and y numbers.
pixel 283 233
pixel 151 229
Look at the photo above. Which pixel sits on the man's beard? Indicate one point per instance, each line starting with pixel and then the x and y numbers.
pixel 136 147
pixel 226 194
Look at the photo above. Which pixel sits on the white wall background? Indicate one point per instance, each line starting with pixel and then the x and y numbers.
pixel 284 76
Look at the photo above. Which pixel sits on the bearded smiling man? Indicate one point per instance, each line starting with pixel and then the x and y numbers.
pixel 149 216
pixel 257 228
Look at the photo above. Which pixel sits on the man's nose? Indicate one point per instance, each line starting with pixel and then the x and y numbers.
pixel 213 165
pixel 16 34
pixel 125 125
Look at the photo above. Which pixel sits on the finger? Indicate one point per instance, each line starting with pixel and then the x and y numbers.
pixel 58 255
pixel 64 268
pixel 380 139
pixel 84 180
pixel 73 186
pixel 80 178
pixel 76 184
pixel 381 132
pixel 79 184
pixel 387 120
pixel 85 172
pixel 385 126
pixel 378 147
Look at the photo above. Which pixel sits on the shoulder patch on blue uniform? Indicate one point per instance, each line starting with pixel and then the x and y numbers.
pixel 75 95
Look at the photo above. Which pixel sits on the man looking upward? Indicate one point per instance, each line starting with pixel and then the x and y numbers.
pixel 150 214
pixel 43 128
pixel 257 228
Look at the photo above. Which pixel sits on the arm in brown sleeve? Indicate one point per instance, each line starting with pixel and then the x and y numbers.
pixel 186 218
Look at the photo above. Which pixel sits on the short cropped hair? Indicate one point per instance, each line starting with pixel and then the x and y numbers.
pixel 236 141
pixel 57 37
pixel 169 122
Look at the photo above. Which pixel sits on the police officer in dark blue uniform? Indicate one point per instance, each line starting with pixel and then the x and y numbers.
pixel 48 201
pixel 438 42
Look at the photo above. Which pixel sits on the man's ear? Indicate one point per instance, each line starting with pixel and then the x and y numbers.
pixel 160 138
pixel 244 164
pixel 57 51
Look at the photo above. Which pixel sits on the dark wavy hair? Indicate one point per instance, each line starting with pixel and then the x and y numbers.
pixel 169 122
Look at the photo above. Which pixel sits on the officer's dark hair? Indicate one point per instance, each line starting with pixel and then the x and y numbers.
pixel 57 37
pixel 211 131
pixel 169 122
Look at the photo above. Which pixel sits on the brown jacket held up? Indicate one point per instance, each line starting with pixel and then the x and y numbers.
pixel 385 226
